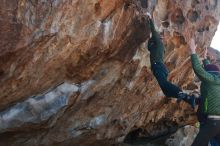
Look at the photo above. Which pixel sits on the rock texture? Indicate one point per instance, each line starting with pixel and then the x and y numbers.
pixel 76 72
pixel 183 137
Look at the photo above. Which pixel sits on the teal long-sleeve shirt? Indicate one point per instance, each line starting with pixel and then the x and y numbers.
pixel 210 87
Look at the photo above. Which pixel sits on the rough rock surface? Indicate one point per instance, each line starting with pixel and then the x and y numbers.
pixel 76 72
pixel 183 137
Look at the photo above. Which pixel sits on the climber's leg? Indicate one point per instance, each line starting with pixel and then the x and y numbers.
pixel 214 141
pixel 217 140
pixel 209 130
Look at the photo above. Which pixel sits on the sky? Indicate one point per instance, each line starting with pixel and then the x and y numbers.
pixel 216 39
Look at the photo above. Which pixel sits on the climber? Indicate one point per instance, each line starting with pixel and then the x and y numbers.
pixel 210 106
pixel 156 48
pixel 202 117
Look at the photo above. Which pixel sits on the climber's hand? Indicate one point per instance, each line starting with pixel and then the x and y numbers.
pixel 192 46
pixel 149 15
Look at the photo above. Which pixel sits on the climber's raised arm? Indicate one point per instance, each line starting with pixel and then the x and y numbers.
pixel 157 48
pixel 199 70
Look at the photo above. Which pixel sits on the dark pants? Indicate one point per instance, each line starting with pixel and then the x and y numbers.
pixel 214 142
pixel 203 119
pixel 209 130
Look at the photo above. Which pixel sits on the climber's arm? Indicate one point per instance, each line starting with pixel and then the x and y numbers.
pixel 154 32
pixel 197 67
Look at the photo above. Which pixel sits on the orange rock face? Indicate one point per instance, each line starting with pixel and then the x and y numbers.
pixel 46 43
pixel 76 72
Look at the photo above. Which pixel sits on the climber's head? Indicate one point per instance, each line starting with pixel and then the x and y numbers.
pixel 212 68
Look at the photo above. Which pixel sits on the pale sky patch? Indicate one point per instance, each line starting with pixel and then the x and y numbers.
pixel 216 39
